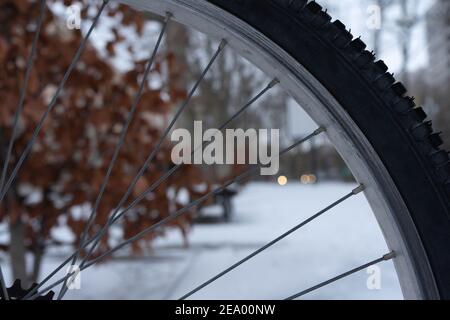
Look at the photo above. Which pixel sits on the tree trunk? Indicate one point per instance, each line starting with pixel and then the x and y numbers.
pixel 17 251
pixel 38 251
pixel 405 43
pixel 377 32
pixel 177 43
pixel 37 262
pixel 408 22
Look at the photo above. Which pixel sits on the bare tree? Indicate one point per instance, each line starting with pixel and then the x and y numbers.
pixel 377 30
pixel 409 18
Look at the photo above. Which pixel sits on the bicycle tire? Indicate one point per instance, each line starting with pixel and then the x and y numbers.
pixel 395 127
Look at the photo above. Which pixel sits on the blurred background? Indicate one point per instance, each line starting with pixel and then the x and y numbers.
pixel 46 209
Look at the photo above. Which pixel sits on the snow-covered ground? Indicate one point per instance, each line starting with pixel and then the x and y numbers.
pixel 343 238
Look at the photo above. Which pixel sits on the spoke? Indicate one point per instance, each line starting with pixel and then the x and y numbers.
pixel 113 219
pixel 271 243
pixel 272 83
pixel 386 257
pixel 51 105
pixel 155 185
pixel 23 90
pixel 153 154
pixel 177 213
pixel 118 147
pixel 3 285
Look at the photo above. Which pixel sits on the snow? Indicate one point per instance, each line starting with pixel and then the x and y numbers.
pixel 345 237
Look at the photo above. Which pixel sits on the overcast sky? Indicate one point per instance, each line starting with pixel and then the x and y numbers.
pixel 354 14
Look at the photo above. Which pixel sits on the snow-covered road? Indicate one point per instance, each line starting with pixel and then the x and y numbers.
pixel 345 237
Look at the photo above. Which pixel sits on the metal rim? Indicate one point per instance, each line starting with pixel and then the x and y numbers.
pixel 382 194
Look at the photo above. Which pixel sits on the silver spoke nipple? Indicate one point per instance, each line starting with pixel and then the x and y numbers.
pixel 273 83
pixel 319 131
pixel 169 15
pixel 222 44
pixel 389 256
pixel 358 189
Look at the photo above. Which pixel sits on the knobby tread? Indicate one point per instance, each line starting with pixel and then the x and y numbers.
pixel 413 118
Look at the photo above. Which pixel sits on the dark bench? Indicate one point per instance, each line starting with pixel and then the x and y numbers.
pixel 223 198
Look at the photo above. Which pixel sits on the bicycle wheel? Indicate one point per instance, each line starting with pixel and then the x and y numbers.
pixel 377 129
